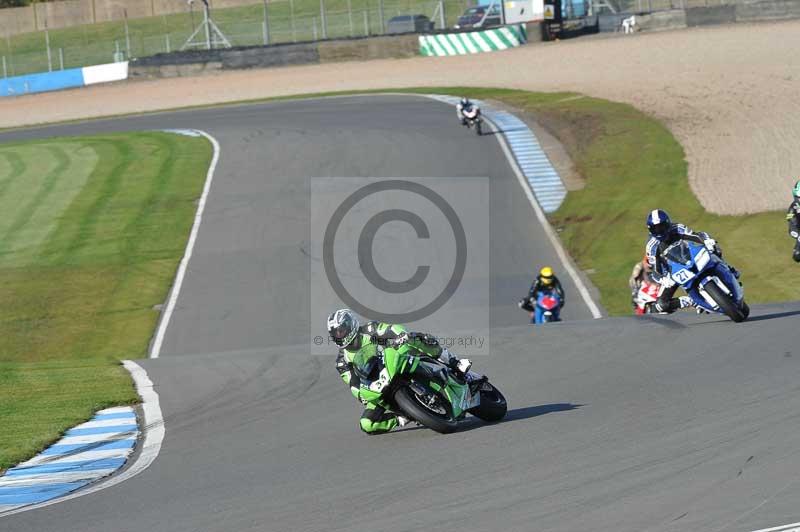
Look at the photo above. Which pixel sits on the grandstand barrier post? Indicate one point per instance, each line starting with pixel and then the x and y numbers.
pixel 350 16
pixel 291 18
pixel 266 24
pixel 47 44
pixel 127 34
pixel 10 53
pixel 322 20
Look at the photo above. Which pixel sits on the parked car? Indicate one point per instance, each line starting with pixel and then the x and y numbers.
pixel 409 24
pixel 480 17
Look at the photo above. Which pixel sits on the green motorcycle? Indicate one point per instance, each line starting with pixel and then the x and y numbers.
pixel 406 381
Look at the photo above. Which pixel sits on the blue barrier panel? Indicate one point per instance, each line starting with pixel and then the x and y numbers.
pixel 46 81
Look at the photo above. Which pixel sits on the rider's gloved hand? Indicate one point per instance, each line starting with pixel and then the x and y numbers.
pixel 666 282
pixel 710 244
pixel 400 340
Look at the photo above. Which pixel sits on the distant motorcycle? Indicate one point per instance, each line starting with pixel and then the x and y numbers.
pixel 645 297
pixel 546 308
pixel 473 119
pixel 707 279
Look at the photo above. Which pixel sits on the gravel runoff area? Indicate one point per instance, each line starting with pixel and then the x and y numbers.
pixel 731 95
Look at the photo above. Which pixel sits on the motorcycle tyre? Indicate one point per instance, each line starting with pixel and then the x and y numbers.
pixel 725 303
pixel 745 310
pixel 491 409
pixel 404 398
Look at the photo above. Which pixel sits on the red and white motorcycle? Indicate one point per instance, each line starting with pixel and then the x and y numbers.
pixel 644 300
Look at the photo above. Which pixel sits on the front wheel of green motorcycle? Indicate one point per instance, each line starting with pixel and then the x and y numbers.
pixel 493 405
pixel 429 408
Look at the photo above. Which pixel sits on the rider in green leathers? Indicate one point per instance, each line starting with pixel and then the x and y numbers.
pixel 359 345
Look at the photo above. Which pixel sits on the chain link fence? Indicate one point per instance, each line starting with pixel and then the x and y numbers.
pixel 281 21
pixel 648 6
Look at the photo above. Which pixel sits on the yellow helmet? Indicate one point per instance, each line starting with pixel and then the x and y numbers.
pixel 546 275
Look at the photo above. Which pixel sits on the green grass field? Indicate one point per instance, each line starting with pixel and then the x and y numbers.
pixel 96 43
pixel 92 232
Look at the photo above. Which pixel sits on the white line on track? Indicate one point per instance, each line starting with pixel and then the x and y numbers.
pixel 44 459
pixel 103 423
pixel 153 428
pixel 97 438
pixel 526 186
pixel 794 527
pixel 562 255
pixel 155 350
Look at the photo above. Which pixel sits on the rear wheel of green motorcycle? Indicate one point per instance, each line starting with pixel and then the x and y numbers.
pixel 493 405
pixel 431 408
pixel 725 302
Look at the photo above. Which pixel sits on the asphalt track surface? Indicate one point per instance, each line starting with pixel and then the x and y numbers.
pixel 684 423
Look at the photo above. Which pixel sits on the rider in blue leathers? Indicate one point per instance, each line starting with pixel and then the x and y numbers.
pixel 663 233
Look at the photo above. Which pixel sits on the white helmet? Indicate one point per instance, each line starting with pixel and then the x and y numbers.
pixel 343 327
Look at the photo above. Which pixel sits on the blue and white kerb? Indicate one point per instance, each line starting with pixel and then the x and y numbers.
pixel 86 453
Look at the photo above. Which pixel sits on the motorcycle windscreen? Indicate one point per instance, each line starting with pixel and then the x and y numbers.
pixel 680 253
pixel 366 366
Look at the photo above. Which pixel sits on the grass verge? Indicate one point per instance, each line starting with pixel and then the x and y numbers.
pixel 92 232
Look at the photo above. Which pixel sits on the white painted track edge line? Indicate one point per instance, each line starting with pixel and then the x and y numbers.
pixel 779 528
pixel 152 427
pixel 155 349
pixel 548 229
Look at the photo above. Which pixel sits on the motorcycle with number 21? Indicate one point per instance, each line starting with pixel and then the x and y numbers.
pixel 707 279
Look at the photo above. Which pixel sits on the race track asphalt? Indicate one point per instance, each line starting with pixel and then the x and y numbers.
pixel 685 423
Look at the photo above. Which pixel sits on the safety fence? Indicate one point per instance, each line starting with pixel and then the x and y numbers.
pixel 280 21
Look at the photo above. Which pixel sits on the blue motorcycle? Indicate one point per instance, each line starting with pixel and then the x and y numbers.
pixel 546 308
pixel 707 279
